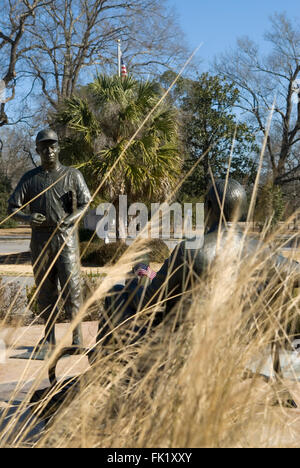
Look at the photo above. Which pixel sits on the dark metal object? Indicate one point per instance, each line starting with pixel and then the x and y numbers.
pixel 186 265
pixel 57 197
pixel 65 352
pixel 46 134
pixel 286 401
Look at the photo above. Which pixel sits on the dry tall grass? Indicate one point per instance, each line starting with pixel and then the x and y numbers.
pixel 182 385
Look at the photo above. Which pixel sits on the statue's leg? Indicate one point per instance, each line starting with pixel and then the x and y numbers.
pixel 47 298
pixel 47 284
pixel 276 360
pixel 117 324
pixel 119 308
pixel 70 282
pixel 283 394
pixel 114 309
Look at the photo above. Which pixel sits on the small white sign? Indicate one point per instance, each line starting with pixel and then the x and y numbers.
pixel 2 92
pixel 296 91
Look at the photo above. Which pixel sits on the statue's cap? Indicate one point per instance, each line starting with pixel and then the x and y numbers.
pixel 46 134
pixel 233 196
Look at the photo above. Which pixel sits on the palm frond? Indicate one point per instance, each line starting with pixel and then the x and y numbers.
pixel 77 115
pixel 111 112
pixel 112 89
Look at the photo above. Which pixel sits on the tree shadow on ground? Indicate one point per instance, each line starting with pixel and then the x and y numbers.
pixel 23 424
pixel 19 426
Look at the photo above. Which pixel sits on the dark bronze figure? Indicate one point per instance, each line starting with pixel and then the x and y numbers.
pixel 57 197
pixel 180 271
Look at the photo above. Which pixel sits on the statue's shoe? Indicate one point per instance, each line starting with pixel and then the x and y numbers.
pixel 43 350
pixel 77 337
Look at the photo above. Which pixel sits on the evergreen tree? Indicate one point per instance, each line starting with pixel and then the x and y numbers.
pixel 99 124
pixel 208 125
pixel 5 192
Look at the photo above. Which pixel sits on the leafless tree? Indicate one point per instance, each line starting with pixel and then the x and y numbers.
pixel 263 80
pixel 54 45
pixel 17 153
pixel 71 40
pixel 17 16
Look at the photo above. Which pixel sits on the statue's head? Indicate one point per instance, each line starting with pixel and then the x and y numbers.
pixel 233 196
pixel 47 147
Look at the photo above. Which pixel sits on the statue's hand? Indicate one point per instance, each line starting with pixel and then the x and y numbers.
pixel 36 219
pixel 65 223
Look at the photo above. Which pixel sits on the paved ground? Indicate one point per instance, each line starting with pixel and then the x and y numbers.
pixel 13 246
pixel 20 378
pixel 16 341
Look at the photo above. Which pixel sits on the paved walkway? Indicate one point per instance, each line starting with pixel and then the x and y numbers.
pixel 19 378
pixel 17 340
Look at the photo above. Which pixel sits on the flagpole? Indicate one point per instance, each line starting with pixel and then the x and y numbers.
pixel 119 57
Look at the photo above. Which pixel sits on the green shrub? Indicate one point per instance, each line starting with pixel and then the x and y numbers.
pixel 10 223
pixel 101 254
pixel 88 249
pixel 5 191
pixel 158 251
pixel 270 205
pixel 85 235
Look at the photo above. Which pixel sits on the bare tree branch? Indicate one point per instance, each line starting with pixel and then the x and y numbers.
pixel 70 36
pixel 27 151
pixel 20 12
pixel 260 80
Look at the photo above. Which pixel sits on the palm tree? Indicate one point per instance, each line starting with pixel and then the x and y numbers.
pixel 99 124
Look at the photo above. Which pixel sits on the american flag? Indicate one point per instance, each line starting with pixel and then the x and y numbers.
pixel 144 270
pixel 123 68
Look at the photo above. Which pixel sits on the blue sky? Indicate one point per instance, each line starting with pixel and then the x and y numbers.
pixel 218 23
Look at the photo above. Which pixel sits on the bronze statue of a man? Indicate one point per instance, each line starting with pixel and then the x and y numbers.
pixel 57 198
pixel 184 266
